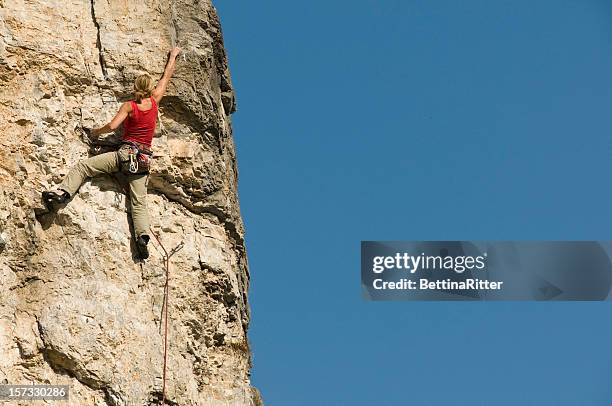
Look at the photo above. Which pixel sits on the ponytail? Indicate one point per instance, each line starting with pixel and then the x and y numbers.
pixel 143 87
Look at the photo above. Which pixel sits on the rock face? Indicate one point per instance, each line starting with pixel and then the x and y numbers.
pixel 76 306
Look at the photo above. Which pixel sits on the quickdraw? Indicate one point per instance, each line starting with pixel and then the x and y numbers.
pixel 133 157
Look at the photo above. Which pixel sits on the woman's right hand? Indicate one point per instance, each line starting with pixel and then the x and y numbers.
pixel 175 51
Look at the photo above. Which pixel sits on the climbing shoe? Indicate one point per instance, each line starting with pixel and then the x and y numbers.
pixel 141 244
pixel 54 198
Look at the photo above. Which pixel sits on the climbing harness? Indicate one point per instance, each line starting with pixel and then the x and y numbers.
pixel 139 158
pixel 166 257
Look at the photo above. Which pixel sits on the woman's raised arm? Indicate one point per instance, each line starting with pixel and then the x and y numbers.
pixel 160 89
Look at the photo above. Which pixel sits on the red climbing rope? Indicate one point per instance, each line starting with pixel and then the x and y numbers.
pixel 166 259
pixel 165 310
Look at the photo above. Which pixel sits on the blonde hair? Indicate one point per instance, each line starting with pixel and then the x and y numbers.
pixel 143 87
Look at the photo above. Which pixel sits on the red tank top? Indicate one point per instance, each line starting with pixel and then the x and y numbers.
pixel 140 126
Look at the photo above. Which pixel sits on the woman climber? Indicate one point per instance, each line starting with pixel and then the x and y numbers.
pixel 140 117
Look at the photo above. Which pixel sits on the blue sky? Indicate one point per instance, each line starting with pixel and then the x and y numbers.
pixel 417 120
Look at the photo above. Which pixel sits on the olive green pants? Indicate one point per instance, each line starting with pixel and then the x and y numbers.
pixel 109 163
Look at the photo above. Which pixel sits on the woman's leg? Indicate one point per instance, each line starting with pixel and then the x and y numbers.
pixel 140 214
pixel 88 168
pixel 138 203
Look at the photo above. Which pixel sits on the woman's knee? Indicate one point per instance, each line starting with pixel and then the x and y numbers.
pixel 82 167
pixel 139 202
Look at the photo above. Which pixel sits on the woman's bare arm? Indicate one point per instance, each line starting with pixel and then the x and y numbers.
pixel 121 115
pixel 160 89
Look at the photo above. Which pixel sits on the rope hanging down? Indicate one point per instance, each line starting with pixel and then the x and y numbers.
pixel 166 258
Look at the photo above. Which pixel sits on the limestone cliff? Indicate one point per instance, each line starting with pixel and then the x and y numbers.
pixel 76 306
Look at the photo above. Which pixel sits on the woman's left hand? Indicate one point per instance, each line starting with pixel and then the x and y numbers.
pixel 91 132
